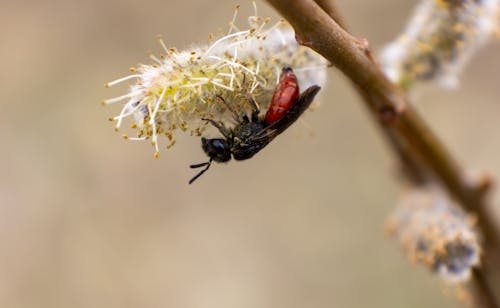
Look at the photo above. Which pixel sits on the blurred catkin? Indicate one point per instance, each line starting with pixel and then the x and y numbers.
pixel 182 87
pixel 441 36
pixel 435 232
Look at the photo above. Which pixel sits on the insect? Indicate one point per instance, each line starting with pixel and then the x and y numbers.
pixel 252 134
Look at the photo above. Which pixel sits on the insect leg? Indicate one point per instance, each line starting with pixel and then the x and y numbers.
pixel 219 125
pixel 235 114
pixel 255 108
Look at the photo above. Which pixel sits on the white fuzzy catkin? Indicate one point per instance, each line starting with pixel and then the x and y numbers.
pixel 435 232
pixel 182 87
pixel 440 38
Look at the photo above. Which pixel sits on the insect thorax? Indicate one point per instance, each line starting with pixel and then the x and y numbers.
pixel 243 147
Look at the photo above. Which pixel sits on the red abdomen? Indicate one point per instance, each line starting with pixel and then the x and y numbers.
pixel 285 95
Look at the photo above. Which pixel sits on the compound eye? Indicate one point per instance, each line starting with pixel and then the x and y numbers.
pixel 219 145
pixel 217 149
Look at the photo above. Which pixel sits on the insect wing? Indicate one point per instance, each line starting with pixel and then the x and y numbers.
pixel 301 104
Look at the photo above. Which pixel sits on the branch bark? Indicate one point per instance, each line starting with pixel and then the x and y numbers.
pixel 330 8
pixel 319 25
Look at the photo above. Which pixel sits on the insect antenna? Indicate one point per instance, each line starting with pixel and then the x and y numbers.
pixel 207 164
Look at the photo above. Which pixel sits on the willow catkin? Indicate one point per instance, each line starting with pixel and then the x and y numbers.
pixel 434 232
pixel 182 87
pixel 440 38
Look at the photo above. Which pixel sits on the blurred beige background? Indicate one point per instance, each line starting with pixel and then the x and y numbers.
pixel 89 220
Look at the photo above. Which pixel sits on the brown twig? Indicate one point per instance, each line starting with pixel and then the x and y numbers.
pixel 330 8
pixel 422 154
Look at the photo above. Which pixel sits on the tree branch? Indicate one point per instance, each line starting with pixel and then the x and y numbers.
pixel 422 154
pixel 330 8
